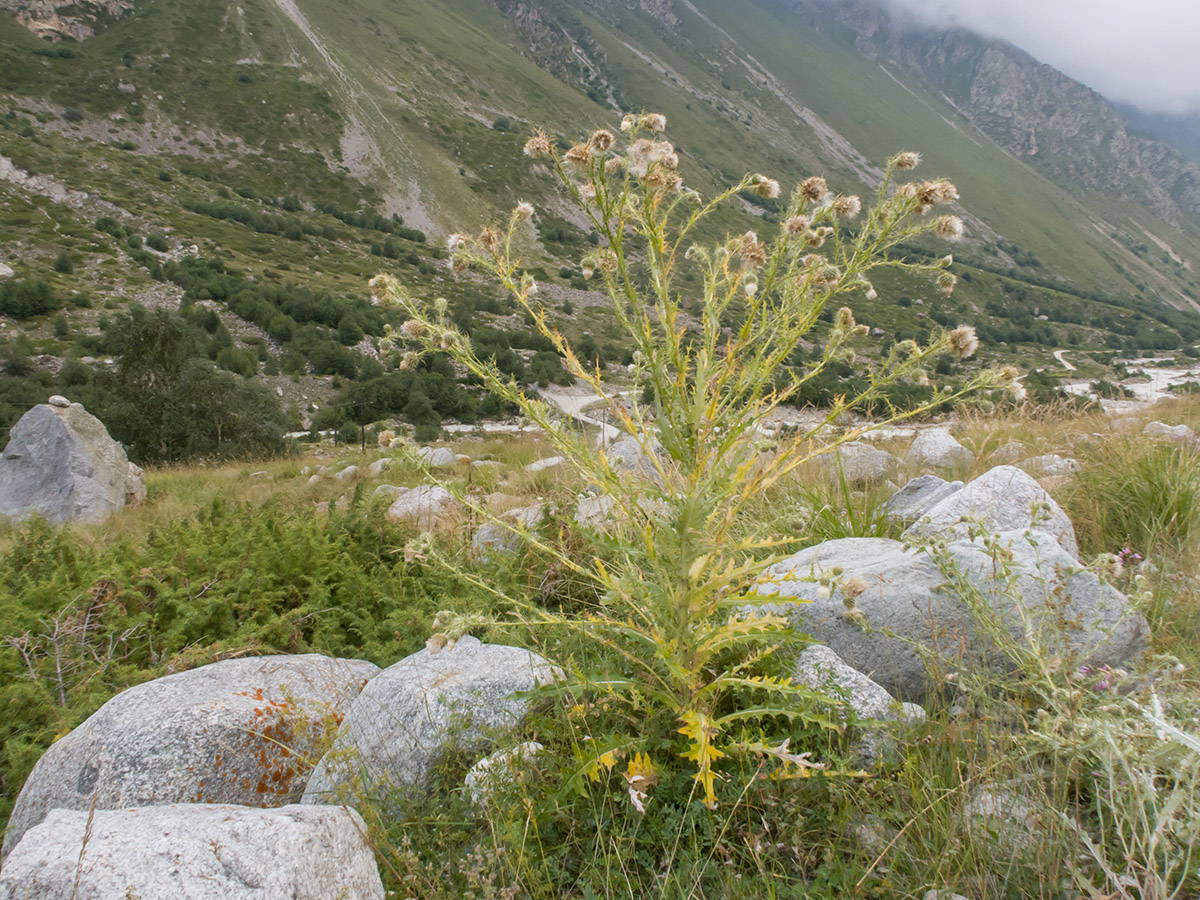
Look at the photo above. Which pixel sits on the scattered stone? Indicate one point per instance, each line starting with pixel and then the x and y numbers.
pixel 61 464
pixel 1169 432
pixel 235 731
pixel 943 894
pixel 347 473
pixel 435 457
pixel 59 401
pixel 425 505
pixel 494 771
pixel 1001 499
pixel 919 496
pixel 873 835
pixel 821 669
pixel 412 712
pixel 899 598
pixel 1051 465
pixel 493 537
pixel 592 511
pixel 552 462
pixel 937 448
pixel 390 491
pixel 375 469
pixel 629 456
pixel 998 816
pixel 860 463
pixel 315 478
pixel 462 458
pixel 485 464
pixel 6 272
pixel 218 852
pixel 1010 453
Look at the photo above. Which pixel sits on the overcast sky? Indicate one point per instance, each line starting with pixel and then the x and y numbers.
pixel 1145 52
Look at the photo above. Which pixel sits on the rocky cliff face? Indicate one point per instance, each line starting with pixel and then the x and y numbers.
pixel 57 19
pixel 1031 109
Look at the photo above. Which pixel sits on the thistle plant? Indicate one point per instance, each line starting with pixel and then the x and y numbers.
pixel 717 361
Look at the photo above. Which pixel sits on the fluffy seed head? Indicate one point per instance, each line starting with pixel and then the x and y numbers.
pixel 963 341
pixel 627 123
pixel 412 329
pixel 455 242
pixel 814 189
pixel 750 250
pixel 655 122
pixel 489 238
pixel 946 282
pixel 949 227
pixel 766 187
pixel 601 140
pixel 909 159
pixel 578 156
pixel 848 207
pixel 797 225
pixel 538 146
pixel 524 210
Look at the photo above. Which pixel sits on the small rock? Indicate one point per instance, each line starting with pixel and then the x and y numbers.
pixel 425 505
pixel 592 511
pixel 435 457
pixel 1009 453
pixel 1169 432
pixel 59 401
pixel 943 895
pixel 217 852
pixel 1051 465
pixel 859 463
pixel 496 538
pixel 937 448
pixel 315 478
pixel 6 272
pixel 998 816
pixel 377 468
pixel 494 771
pixel 347 473
pixel 390 491
pixel 552 462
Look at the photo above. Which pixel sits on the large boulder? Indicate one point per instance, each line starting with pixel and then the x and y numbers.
pixel 1169 432
pixel 61 464
pixel 882 599
pixel 1001 499
pixel 919 496
pixel 426 505
pixel 236 731
pixel 200 852
pixel 859 463
pixel 936 448
pixel 415 710
pixel 436 457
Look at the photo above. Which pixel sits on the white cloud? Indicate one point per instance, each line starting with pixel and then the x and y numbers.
pixel 1146 53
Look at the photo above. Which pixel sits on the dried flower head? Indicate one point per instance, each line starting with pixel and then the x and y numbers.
pixel 1010 373
pixel 797 225
pixel 814 189
pixel 751 251
pixel 852 587
pixel 963 341
pixel 930 193
pixel 614 164
pixel 655 122
pixel 538 146
pixel 455 242
pixel 816 237
pixel 949 227
pixel 765 187
pixel 578 156
pixel 810 260
pixel 524 210
pixel 489 238
pixel 909 159
pixel 848 207
pixel 844 319
pixel 412 329
pixel 871 293
pixel 627 123
pixel 750 286
pixel 601 140
pixel 587 191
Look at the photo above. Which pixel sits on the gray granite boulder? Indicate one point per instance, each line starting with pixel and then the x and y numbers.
pixel 1001 499
pixel 1050 465
pixel 859 463
pixel 1169 432
pixel 415 710
pixel 919 496
pixel 377 468
pixel 638 457
pixel 496 770
pixel 426 505
pixel 436 457
pixel 551 462
pixel 495 537
pixel 883 598
pixel 199 852
pixel 236 731
pixel 60 463
pixel 347 473
pixel 936 448
pixel 594 511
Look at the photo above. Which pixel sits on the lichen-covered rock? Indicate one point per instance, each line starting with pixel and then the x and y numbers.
pixel 416 709
pixel 236 731
pixel 919 496
pixel 426 505
pixel 1001 499
pixel 60 463
pixel 201 852
pixel 937 448
pixel 900 598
